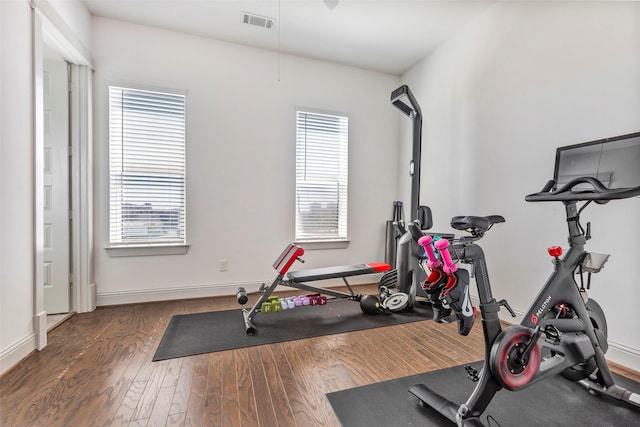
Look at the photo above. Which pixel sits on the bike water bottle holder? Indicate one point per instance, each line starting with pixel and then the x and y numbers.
pixel 593 262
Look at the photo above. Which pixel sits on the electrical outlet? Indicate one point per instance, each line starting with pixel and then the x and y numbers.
pixel 224 264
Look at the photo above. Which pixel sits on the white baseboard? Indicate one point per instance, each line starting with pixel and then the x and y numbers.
pixel 40 329
pixel 210 290
pixel 92 297
pixel 624 355
pixel 169 294
pixel 16 352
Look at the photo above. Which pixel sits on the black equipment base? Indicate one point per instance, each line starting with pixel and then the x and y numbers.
pixel 199 333
pixel 554 402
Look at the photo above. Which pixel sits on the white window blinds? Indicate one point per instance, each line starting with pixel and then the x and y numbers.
pixel 321 176
pixel 147 167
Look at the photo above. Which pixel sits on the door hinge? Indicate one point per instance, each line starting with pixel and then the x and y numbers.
pixel 70 278
pixel 70 214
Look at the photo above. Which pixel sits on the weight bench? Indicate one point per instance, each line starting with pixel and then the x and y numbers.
pixel 299 280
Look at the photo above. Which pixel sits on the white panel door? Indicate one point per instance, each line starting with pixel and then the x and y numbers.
pixel 56 187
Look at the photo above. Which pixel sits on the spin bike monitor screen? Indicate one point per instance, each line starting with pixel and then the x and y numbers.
pixel 614 161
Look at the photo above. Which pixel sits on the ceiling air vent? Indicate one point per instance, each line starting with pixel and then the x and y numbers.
pixel 257 20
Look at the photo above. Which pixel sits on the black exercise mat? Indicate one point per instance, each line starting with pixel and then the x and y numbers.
pixel 199 333
pixel 553 402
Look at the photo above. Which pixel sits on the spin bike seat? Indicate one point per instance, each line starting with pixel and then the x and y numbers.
pixel 475 224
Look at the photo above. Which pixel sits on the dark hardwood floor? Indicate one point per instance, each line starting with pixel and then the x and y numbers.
pixel 97 371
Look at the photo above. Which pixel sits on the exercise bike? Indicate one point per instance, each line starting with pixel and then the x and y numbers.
pixel 563 332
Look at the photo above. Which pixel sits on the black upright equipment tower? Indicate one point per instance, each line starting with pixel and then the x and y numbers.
pixel 412 110
pixel 409 273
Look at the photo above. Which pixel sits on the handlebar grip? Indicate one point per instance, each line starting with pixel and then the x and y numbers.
pixel 443 246
pixel 425 242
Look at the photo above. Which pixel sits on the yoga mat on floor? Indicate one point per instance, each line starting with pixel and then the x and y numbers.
pixel 552 402
pixel 199 333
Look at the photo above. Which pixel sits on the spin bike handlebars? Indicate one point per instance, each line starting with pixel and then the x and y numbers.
pixel 569 192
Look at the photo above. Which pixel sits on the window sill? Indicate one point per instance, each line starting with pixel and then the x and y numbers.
pixel 125 251
pixel 313 245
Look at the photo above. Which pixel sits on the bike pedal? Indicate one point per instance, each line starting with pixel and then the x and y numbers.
pixel 552 334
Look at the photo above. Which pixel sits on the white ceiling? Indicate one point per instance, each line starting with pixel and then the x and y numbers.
pixel 382 35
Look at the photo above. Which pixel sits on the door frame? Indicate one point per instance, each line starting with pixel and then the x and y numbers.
pixel 49 27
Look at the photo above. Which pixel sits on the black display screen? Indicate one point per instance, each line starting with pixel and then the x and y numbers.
pixel 614 161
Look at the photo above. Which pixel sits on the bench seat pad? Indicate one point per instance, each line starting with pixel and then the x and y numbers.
pixel 336 272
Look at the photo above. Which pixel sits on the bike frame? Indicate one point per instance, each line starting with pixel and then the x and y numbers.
pixel 560 288
pixel 469 253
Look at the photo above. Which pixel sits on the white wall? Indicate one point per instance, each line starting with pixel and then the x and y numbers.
pixel 16 183
pixel 498 99
pixel 240 157
pixel 17 180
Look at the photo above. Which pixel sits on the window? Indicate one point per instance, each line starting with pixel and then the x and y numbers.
pixel 147 167
pixel 321 176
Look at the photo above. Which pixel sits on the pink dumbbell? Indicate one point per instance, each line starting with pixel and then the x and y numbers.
pixel 443 246
pixel 425 242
